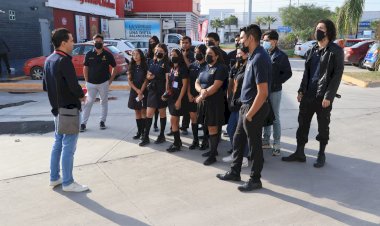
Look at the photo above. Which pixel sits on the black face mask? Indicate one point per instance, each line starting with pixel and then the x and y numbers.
pixel 240 60
pixel 175 60
pixel 237 45
pixel 243 48
pixel 210 43
pixel 98 45
pixel 199 56
pixel 320 35
pixel 160 55
pixel 209 59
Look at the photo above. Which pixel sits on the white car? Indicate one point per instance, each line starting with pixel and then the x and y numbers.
pixel 125 46
pixel 301 48
pixel 143 45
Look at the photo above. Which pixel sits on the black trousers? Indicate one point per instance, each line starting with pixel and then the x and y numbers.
pixel 308 107
pixel 251 131
pixel 6 61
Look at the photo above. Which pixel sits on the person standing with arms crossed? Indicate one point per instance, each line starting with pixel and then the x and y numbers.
pixel 61 84
pixel 254 109
pixel 98 79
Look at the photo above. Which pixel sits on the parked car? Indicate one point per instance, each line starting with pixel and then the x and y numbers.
pixel 356 53
pixel 348 42
pixel 143 45
pixel 371 60
pixel 125 46
pixel 34 67
pixel 301 48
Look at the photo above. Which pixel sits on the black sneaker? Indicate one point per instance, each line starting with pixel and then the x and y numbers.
pixel 229 176
pixel 209 161
pixel 102 125
pixel 82 127
pixel 160 139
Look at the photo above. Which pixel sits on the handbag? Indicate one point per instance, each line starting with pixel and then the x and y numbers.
pixel 68 121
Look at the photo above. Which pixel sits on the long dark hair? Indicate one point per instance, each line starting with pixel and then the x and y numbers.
pixel 132 65
pixel 181 62
pixel 217 51
pixel 150 54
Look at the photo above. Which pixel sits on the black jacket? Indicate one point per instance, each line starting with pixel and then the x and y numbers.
pixel 281 70
pixel 61 83
pixel 330 71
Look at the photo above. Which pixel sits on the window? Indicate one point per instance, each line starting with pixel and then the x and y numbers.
pixel 113 49
pixel 12 15
pixel 87 48
pixel 111 43
pixel 130 45
pixel 173 39
pixel 76 50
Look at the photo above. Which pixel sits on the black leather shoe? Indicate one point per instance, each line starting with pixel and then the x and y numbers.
pixel 207 154
pixel 170 133
pixel 160 139
pixel 194 145
pixel 209 161
pixel 174 148
pixel 294 158
pixel 144 142
pixel 229 176
pixel 204 146
pixel 320 161
pixel 137 136
pixel 250 185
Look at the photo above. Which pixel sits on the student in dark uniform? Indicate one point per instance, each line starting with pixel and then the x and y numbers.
pixel 194 69
pixel 212 39
pixel 157 76
pixel 232 55
pixel 138 95
pixel 153 42
pixel 177 97
pixel 210 100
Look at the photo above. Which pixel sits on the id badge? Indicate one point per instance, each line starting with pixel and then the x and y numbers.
pixel 175 85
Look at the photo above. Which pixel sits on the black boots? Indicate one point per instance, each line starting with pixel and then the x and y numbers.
pixel 298 156
pixel 321 156
pixel 195 144
pixel 145 138
pixel 176 146
pixel 214 139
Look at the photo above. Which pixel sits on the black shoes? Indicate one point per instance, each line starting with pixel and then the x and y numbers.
pixel 194 145
pixel 174 148
pixel 320 161
pixel 170 133
pixel 229 176
pixel 204 146
pixel 137 136
pixel 156 129
pixel 250 185
pixel 184 131
pixel 82 127
pixel 102 125
pixel 209 161
pixel 295 157
pixel 144 142
pixel 160 139
pixel 207 154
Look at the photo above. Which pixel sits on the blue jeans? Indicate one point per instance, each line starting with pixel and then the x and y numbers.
pixel 65 145
pixel 275 99
pixel 231 128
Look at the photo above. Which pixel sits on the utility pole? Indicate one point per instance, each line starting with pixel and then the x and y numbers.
pixel 290 3
pixel 249 12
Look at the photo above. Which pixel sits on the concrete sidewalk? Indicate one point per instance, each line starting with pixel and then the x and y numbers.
pixel 131 185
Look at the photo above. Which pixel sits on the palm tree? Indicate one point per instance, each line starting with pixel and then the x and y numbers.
pixel 231 20
pixel 217 23
pixel 269 20
pixel 260 21
pixel 350 14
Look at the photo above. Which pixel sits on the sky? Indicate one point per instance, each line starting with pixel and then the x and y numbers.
pixel 274 5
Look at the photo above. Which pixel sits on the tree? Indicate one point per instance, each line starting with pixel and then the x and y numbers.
pixel 260 21
pixel 375 25
pixel 269 20
pixel 231 20
pixel 349 15
pixel 303 19
pixel 217 23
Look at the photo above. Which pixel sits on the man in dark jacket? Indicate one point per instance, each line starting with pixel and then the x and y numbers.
pixel 281 72
pixel 323 72
pixel 61 84
pixel 4 50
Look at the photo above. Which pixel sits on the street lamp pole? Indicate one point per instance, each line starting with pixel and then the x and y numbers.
pixel 249 11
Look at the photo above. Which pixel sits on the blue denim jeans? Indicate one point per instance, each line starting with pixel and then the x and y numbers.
pixel 65 145
pixel 231 128
pixel 275 99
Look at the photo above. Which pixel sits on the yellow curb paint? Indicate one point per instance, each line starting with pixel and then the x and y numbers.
pixel 355 81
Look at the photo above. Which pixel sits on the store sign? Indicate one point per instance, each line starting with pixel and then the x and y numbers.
pixel 105 3
pixel 142 29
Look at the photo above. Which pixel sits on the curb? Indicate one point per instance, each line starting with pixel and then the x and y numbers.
pixel 360 83
pixel 25 88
